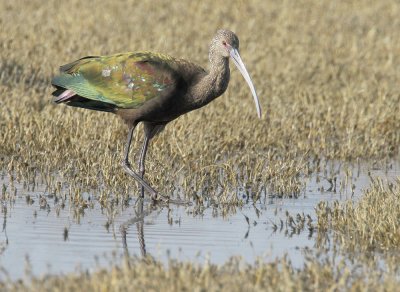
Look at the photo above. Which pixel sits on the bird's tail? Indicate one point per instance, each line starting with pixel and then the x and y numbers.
pixel 68 96
pixel 63 95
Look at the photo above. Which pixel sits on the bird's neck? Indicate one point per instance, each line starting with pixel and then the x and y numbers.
pixel 214 83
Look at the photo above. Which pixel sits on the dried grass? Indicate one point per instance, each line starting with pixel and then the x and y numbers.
pixel 327 75
pixel 148 275
pixel 370 225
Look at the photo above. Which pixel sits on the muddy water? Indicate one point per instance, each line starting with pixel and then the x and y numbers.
pixel 59 240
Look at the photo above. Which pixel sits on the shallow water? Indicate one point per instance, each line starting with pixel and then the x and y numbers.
pixel 60 240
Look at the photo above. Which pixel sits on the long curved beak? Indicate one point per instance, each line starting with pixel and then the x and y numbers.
pixel 239 63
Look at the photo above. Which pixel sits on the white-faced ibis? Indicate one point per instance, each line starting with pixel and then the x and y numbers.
pixel 149 87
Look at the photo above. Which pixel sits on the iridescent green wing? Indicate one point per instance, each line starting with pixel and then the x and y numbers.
pixel 125 80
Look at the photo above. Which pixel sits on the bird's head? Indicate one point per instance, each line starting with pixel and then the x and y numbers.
pixel 225 41
pixel 226 44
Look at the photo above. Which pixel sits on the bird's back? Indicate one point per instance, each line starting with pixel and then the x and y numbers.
pixel 123 81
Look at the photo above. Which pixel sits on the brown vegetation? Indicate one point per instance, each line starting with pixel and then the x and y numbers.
pixel 328 78
pixel 327 75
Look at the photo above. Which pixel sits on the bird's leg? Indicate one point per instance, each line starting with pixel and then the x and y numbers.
pixel 127 166
pixel 142 159
pixel 128 145
pixel 150 131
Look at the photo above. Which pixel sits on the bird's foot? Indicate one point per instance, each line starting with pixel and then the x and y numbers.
pixel 167 200
pixel 157 197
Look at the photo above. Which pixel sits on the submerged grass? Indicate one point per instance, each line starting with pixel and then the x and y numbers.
pixel 348 264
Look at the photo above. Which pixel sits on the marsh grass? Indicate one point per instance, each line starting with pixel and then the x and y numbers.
pixel 370 225
pixel 327 76
pixel 149 275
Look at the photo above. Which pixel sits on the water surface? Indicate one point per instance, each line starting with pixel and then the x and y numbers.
pixel 60 240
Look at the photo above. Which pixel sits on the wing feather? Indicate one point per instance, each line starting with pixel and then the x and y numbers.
pixel 125 80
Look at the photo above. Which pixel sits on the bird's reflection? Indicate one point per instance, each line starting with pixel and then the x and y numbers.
pixel 138 220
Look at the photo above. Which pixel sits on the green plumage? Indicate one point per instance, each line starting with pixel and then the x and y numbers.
pixel 124 80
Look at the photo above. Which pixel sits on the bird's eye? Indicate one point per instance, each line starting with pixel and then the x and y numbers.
pixel 224 43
